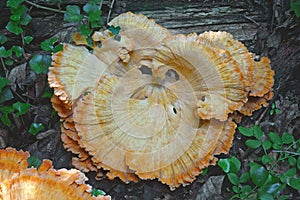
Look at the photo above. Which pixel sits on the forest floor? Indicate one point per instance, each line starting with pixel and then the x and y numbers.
pixel 277 37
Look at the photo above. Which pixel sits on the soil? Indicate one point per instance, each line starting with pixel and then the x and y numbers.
pixel 268 28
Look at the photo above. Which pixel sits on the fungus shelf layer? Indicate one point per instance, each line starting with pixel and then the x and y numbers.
pixel 151 104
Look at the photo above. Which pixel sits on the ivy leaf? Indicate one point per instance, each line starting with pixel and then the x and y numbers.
pixel 35 128
pixel 97 192
pixel 254 144
pixel 25 19
pixel 258 133
pixel 93 11
pixel 5 53
pixel 114 30
pixel 267 144
pixel 3 39
pixel 17 13
pixel 14 27
pixel 18 50
pixel 233 178
pixel 85 30
pixel 72 14
pixel 295 183
pixel 258 174
pixel 6 95
pixel 49 45
pixel 244 177
pixel 22 108
pixel 224 164
pixel 27 39
pixel 295 6
pixel 245 131
pixel 235 164
pixel 9 62
pixel 40 63
pixel 33 161
pixel 3 82
pixel 266 159
pixel 5 120
pixel 275 138
pixel 14 3
pixel 287 138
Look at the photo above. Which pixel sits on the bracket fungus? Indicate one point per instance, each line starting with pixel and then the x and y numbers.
pixel 152 104
pixel 20 182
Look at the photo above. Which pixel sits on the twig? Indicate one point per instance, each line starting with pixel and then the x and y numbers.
pixel 252 20
pixel 289 152
pixel 44 7
pixel 109 12
pixel 4 67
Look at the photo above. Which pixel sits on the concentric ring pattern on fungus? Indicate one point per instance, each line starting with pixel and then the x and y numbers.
pixel 152 105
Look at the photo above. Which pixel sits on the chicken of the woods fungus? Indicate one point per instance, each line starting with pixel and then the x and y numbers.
pixel 17 181
pixel 151 104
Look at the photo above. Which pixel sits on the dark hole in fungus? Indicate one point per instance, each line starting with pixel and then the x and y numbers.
pixel 145 70
pixel 172 74
pixel 174 110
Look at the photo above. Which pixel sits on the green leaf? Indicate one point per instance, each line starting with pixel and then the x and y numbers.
pixel 40 63
pixel 274 137
pixel 3 39
pixel 97 192
pixel 290 172
pixel 246 189
pixel 245 177
pixel 97 24
pixel 266 159
pixel 236 189
pixel 3 82
pixel 6 95
pixel 25 19
pixel 295 6
pixel 5 53
pixel 49 45
pixel 295 183
pixel 114 30
pixel 287 138
pixel 204 171
pixel 258 133
pixel 273 188
pixel 266 196
pixel 18 50
pixel 254 144
pixel 14 3
pixel 224 164
pixel 5 120
pixel 93 11
pixel 283 197
pixel 235 164
pixel 14 27
pixel 22 108
pixel 258 174
pixel 298 162
pixel 35 128
pixel 292 161
pixel 9 62
pixel 85 30
pixel 273 106
pixel 277 111
pixel 267 144
pixel 245 131
pixel 233 178
pixel 27 39
pixel 17 13
pixel 33 161
pixel 272 112
pixel 72 14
